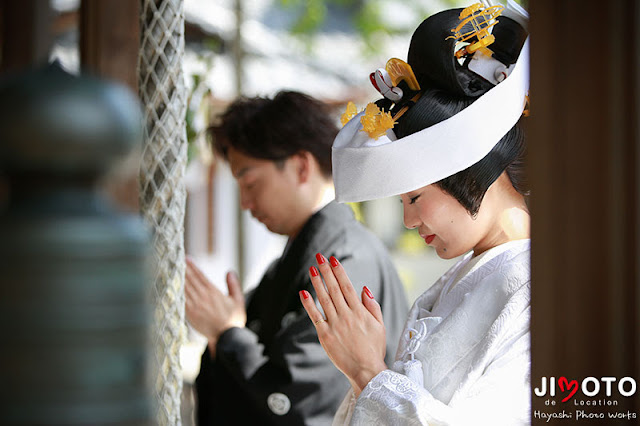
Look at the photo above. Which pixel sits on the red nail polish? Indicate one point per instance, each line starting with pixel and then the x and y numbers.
pixel 334 261
pixel 366 290
pixel 304 294
pixel 314 271
pixel 320 258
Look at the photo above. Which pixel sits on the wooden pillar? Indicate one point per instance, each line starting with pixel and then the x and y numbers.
pixel 109 46
pixel 584 147
pixel 110 39
pixel 26 33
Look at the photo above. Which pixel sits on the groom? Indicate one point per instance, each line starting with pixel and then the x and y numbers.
pixel 264 363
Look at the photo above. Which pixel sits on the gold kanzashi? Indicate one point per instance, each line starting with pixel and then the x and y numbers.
pixel 527 105
pixel 400 70
pixel 375 122
pixel 481 19
pixel 349 113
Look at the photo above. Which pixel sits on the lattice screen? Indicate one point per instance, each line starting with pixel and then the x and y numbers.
pixel 162 191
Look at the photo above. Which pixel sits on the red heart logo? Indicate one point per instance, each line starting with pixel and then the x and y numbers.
pixel 563 383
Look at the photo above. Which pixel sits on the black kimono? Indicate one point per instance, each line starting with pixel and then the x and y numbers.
pixel 274 371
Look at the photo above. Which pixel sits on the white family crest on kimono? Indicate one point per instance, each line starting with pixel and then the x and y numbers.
pixel 464 357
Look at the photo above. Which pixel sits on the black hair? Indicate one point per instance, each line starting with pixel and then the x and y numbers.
pixel 432 47
pixel 469 185
pixel 275 129
pixel 447 88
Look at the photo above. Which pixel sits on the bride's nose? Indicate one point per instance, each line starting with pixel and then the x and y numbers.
pixel 411 218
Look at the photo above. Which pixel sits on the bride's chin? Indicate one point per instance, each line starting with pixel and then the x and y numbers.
pixel 445 254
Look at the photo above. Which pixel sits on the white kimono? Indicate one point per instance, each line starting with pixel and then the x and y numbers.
pixel 464 357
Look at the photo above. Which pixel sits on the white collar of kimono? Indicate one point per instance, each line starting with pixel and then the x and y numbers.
pixel 366 168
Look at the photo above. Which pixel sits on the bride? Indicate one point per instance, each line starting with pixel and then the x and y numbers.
pixel 446 139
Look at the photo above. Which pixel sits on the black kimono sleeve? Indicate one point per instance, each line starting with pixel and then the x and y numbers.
pixel 292 382
pixel 274 371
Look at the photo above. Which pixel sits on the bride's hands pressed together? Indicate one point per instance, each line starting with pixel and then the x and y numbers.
pixel 353 333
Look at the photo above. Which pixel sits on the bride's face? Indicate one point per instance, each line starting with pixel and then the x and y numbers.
pixel 443 222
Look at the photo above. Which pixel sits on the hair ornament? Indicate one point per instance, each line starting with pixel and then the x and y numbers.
pixel 383 84
pixel 365 168
pixel 349 113
pixel 527 108
pixel 399 70
pixel 482 21
pixel 405 108
pixel 387 80
pixel 376 122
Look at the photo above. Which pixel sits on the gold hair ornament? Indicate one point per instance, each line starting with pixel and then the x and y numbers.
pixel 527 106
pixel 349 113
pixel 482 19
pixel 374 121
pixel 400 70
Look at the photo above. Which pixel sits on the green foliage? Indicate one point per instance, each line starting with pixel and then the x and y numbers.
pixel 312 14
pixel 368 20
pixel 366 16
pixel 313 17
pixel 196 116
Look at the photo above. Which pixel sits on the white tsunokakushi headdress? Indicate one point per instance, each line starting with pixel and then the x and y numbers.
pixel 369 161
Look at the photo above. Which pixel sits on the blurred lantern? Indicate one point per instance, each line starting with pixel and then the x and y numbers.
pixel 73 286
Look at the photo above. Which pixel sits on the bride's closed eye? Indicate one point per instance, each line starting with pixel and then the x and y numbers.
pixel 412 200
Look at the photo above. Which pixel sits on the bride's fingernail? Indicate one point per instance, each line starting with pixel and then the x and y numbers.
pixel 366 290
pixel 304 294
pixel 314 271
pixel 334 261
pixel 320 258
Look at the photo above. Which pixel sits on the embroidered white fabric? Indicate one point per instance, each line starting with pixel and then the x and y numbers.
pixel 471 364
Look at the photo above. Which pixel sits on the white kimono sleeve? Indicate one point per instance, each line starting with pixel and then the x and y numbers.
pixel 500 396
pixel 472 364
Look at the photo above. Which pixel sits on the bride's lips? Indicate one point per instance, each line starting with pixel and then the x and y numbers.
pixel 429 238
